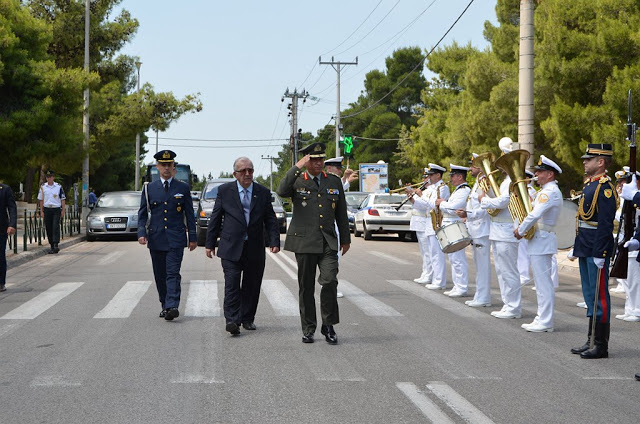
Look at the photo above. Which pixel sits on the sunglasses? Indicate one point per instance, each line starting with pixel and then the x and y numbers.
pixel 245 171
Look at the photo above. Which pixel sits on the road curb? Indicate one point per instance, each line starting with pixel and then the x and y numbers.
pixel 16 259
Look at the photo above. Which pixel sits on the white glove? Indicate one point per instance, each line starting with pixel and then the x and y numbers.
pixel 632 245
pixel 629 189
pixel 570 255
pixel 599 262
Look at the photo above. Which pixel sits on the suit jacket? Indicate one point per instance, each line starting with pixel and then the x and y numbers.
pixel 8 209
pixel 316 211
pixel 169 213
pixel 235 228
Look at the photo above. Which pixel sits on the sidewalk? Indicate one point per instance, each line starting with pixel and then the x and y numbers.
pixel 34 251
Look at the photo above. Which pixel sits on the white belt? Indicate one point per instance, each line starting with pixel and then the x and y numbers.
pixel 584 224
pixel 418 213
pixel 547 228
pixel 502 220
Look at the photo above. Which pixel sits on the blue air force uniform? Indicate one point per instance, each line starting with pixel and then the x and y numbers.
pixel 171 223
pixel 594 242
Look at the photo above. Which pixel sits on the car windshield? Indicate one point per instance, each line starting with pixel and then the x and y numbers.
pixel 354 199
pixel 211 192
pixel 392 199
pixel 125 200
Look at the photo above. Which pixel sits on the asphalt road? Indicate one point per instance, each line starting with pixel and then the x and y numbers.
pixel 81 342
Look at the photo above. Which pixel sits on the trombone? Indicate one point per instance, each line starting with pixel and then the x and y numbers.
pixel 403 188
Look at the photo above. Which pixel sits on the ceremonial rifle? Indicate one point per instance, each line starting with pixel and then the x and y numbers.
pixel 627 217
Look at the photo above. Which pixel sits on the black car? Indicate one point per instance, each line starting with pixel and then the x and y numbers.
pixel 353 198
pixel 205 206
pixel 281 214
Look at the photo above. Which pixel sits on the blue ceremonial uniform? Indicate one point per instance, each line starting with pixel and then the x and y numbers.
pixel 594 239
pixel 171 218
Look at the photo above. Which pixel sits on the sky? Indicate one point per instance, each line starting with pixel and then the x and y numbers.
pixel 241 56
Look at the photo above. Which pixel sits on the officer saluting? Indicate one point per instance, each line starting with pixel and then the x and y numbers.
pixel 594 246
pixel 168 201
pixel 318 205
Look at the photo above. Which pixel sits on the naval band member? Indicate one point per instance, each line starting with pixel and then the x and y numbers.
pixel 318 201
pixel 168 201
pixel 594 245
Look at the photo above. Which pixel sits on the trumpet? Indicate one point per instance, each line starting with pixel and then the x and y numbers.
pixel 398 190
pixel 426 183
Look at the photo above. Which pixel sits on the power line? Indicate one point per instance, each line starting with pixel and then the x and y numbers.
pixel 222 147
pixel 223 139
pixel 421 63
pixel 356 30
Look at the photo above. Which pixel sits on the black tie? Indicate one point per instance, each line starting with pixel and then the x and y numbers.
pixel 166 186
pixel 315 180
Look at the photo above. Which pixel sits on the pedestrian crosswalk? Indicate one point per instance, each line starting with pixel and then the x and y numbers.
pixel 39 304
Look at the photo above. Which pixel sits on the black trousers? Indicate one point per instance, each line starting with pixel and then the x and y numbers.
pixel 3 258
pixel 242 282
pixel 52 224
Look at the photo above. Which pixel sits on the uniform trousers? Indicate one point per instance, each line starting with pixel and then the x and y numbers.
pixel 3 258
pixel 242 282
pixel 482 260
pixel 425 251
pixel 505 255
pixel 327 263
pixel 554 271
pixel 438 262
pixel 459 270
pixel 632 288
pixel 524 263
pixel 52 224
pixel 589 279
pixel 541 265
pixel 166 271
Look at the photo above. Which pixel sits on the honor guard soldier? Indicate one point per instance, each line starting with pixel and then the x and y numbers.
pixel 165 219
pixel 318 205
pixel 632 283
pixel 52 205
pixel 419 223
pixel 594 246
pixel 457 200
pixel 543 245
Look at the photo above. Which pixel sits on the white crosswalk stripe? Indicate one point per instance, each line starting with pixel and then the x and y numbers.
pixel 202 299
pixel 367 303
pixel 291 273
pixel 125 300
pixel 390 258
pixel 42 302
pixel 110 258
pixel 424 404
pixel 281 299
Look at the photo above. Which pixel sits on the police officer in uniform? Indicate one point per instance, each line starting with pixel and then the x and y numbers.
pixel 318 201
pixel 594 245
pixel 543 245
pixel 169 202
pixel 52 204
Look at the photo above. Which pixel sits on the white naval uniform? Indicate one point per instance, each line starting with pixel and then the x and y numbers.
pixel 478 224
pixel 419 223
pixel 437 256
pixel 542 246
pixel 459 267
pixel 505 249
pixel 632 283
pixel 524 264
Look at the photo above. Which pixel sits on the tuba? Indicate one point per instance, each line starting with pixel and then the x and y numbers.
pixel 514 164
pixel 485 162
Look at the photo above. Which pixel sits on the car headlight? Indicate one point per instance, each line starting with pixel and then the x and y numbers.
pixel 205 212
pixel 134 219
pixel 280 215
pixel 94 219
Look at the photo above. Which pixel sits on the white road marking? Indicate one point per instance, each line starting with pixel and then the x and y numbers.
pixel 424 404
pixel 286 269
pixel 110 258
pixel 367 303
pixel 8 329
pixel 436 297
pixel 281 299
pixel 42 302
pixel 53 381
pixel 291 261
pixel 458 404
pixel 191 378
pixel 202 300
pixel 125 300
pixel 391 258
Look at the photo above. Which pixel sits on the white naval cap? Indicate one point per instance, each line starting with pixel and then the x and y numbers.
pixel 505 144
pixel 457 169
pixel 546 164
pixel 473 156
pixel 334 161
pixel 624 173
pixel 528 173
pixel 434 168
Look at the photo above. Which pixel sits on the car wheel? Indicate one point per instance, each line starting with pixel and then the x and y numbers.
pixel 402 236
pixel 413 236
pixel 365 232
pixel 202 237
pixel 91 237
pixel 355 230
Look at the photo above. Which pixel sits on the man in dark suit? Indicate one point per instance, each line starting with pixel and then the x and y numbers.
pixel 8 223
pixel 318 206
pixel 169 202
pixel 246 209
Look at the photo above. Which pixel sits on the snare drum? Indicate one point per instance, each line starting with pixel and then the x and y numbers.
pixel 453 237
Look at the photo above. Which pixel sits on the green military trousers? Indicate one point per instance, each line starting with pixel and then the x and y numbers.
pixel 327 263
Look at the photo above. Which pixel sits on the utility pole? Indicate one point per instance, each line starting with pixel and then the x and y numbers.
pixel 525 92
pixel 136 184
pixel 85 118
pixel 293 112
pixel 336 66
pixel 270 158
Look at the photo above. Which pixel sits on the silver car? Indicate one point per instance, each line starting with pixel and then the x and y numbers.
pixel 378 214
pixel 115 214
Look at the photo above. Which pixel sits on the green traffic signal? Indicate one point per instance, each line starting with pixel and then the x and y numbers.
pixel 348 144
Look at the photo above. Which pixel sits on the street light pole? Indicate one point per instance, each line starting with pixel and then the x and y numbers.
pixel 136 185
pixel 85 118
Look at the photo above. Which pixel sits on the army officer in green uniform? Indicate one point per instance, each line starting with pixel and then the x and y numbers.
pixel 318 204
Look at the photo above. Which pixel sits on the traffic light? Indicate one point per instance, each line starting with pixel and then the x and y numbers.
pixel 348 145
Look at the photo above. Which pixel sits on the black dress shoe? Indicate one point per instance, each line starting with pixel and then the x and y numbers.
pixel 307 338
pixel 329 333
pixel 233 328
pixel 163 313
pixel 248 326
pixel 171 313
pixel 3 288
pixel 638 376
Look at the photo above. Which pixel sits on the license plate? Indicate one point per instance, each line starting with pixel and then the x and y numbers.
pixel 116 226
pixel 395 213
